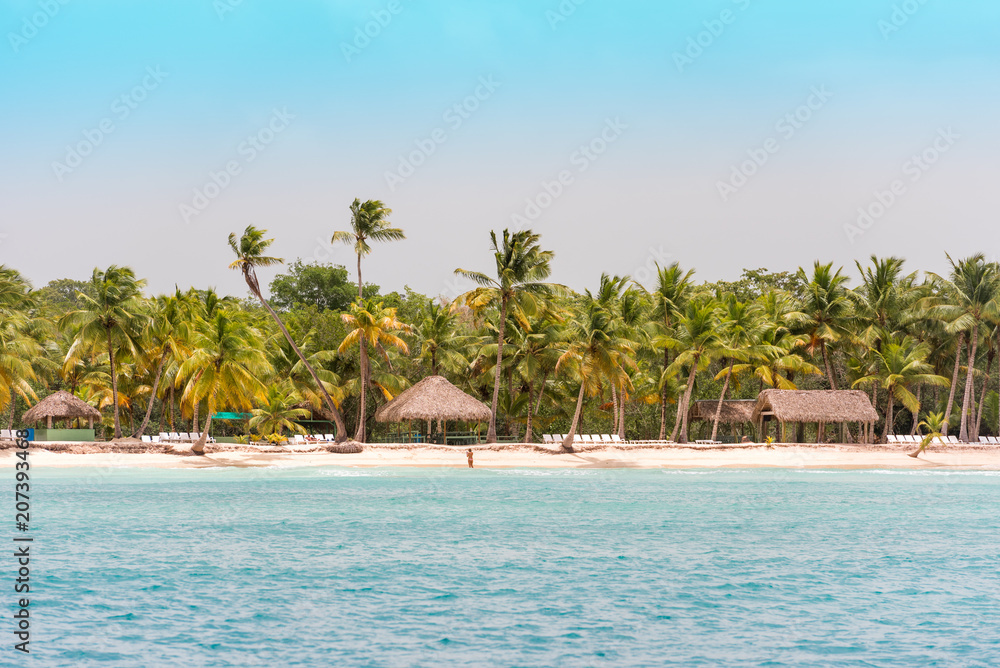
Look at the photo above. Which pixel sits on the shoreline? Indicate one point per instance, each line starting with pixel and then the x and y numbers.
pixel 736 456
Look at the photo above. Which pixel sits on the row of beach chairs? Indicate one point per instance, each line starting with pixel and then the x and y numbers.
pixel 8 434
pixel 175 437
pixel 584 439
pixel 907 439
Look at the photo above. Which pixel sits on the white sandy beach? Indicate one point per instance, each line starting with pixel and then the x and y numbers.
pixel 827 457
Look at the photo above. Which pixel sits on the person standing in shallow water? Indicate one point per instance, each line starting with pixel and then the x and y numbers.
pixel 468 455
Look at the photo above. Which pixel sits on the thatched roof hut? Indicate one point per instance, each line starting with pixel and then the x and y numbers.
pixel 434 398
pixel 61 406
pixel 815 406
pixel 734 411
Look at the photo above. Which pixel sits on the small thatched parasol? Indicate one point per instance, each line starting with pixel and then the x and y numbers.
pixel 62 406
pixel 434 398
pixel 819 406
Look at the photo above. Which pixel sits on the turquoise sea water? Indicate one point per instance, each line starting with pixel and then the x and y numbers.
pixel 393 567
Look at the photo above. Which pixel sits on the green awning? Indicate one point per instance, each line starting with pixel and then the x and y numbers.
pixel 232 416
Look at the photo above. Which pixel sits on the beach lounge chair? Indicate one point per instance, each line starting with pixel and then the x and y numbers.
pixel 5 434
pixel 953 440
pixel 173 437
pixel 299 439
pixel 146 439
pixel 329 438
pixel 546 438
pixel 164 437
pixel 994 440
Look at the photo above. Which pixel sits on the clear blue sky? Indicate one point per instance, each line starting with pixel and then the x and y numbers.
pixel 676 119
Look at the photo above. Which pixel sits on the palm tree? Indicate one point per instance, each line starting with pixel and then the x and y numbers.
pixel 825 313
pixel 521 267
pixel 224 368
pixel 536 355
pixel 743 331
pixel 440 345
pixel 370 323
pixel 697 337
pixel 899 366
pixel 163 340
pixel 249 250
pixel 276 412
pixel 884 301
pixel 670 297
pixel 972 298
pixel 369 222
pixel 595 353
pixel 112 315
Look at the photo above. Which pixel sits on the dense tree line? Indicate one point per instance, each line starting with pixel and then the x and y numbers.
pixel 619 357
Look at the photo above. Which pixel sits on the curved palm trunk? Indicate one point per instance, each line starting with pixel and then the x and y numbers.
pixel 338 419
pixel 722 398
pixel 682 411
pixel 954 385
pixel 567 443
pixel 541 392
pixel 114 386
pixel 982 399
pixel 531 401
pixel 359 434
pixel 152 397
pixel 963 433
pixel 663 398
pixel 614 409
pixel 888 417
pixel 916 414
pixel 199 446
pixel 361 294
pixel 829 367
pixel 621 416
pixel 491 434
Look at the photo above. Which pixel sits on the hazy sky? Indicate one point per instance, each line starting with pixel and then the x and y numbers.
pixel 723 134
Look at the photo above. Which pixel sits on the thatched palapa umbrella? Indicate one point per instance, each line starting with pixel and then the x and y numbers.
pixel 816 406
pixel 63 406
pixel 434 398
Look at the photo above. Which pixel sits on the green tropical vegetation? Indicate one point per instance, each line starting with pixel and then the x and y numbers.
pixel 620 357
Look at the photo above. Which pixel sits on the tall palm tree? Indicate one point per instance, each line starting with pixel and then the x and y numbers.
pixel 370 323
pixel 521 268
pixel 884 301
pixel 112 315
pixel 697 337
pixel 972 298
pixel 899 366
pixel 742 330
pixel 369 223
pixel 595 354
pixel 162 341
pixel 825 312
pixel 250 252
pixel 225 368
pixel 670 297
pixel 440 344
